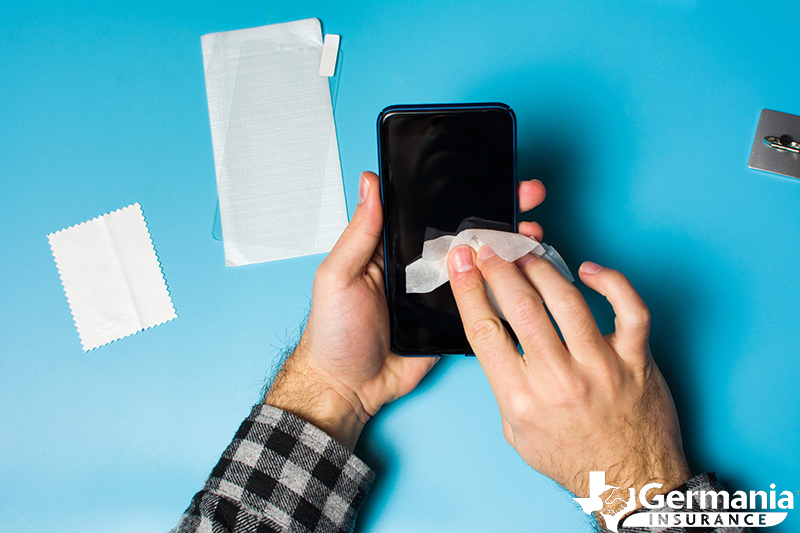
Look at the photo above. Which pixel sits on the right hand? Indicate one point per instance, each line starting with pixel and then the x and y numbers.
pixel 590 403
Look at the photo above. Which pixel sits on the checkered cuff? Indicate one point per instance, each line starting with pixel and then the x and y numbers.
pixel 280 474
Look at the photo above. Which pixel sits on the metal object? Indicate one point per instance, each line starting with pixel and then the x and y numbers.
pixel 784 143
pixel 778 154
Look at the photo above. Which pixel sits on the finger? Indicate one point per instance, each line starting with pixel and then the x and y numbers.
pixel 530 194
pixel 523 309
pixel 532 229
pixel 358 242
pixel 407 372
pixel 377 257
pixel 565 303
pixel 632 320
pixel 496 352
pixel 508 432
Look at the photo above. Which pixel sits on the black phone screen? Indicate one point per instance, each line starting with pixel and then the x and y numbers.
pixel 443 168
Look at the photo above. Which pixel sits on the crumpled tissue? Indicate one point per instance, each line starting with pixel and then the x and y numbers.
pixel 111 276
pixel 430 271
pixel 276 158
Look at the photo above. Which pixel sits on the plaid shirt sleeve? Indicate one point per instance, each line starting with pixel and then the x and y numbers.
pixel 280 474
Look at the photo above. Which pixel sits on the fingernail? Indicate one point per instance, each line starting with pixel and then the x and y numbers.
pixel 485 253
pixel 363 188
pixel 524 260
pixel 461 258
pixel 591 268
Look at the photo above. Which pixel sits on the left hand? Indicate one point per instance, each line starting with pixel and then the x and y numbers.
pixel 343 370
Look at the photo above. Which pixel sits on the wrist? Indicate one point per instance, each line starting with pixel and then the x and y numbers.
pixel 307 393
pixel 660 478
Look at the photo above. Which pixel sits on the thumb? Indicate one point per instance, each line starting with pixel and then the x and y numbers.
pixel 361 237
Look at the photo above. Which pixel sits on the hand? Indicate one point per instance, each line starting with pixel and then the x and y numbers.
pixel 343 370
pixel 590 403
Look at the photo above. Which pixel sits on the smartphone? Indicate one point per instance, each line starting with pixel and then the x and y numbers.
pixel 443 168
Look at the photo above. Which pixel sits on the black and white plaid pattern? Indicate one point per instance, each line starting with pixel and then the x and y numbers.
pixel 705 482
pixel 280 474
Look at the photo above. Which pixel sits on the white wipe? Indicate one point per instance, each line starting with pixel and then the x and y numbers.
pixel 276 156
pixel 111 277
pixel 430 271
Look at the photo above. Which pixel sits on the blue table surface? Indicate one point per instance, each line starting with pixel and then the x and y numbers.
pixel 638 116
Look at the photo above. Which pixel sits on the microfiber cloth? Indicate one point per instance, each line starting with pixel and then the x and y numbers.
pixel 111 276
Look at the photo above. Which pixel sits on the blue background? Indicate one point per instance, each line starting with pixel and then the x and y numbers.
pixel 638 116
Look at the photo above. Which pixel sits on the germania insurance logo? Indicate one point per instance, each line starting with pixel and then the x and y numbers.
pixel 692 508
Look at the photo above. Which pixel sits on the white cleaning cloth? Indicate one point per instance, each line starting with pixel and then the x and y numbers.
pixel 279 179
pixel 430 271
pixel 111 276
